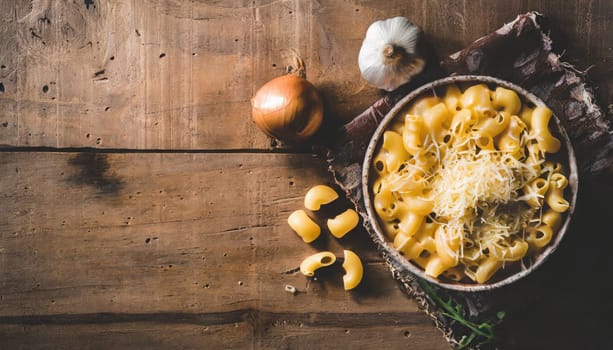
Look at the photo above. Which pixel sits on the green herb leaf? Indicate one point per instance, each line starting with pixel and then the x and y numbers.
pixel 481 333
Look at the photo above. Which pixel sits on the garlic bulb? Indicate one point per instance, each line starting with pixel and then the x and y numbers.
pixel 389 56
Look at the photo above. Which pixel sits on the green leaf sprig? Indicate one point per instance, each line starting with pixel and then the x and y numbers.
pixel 478 333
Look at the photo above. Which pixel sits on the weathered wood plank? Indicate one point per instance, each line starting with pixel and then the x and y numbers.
pixel 170 74
pixel 281 334
pixel 202 239
pixel 127 336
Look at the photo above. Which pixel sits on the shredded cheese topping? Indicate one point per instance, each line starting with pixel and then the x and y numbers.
pixel 464 179
pixel 471 190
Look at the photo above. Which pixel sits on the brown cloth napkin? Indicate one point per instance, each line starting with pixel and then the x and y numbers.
pixel 519 52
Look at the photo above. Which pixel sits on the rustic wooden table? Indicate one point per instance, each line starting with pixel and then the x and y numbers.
pixel 142 208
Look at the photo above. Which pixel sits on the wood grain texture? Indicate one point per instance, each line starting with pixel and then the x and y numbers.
pixel 173 74
pixel 282 334
pixel 157 249
pixel 94 241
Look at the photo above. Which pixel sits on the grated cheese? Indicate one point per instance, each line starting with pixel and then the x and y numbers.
pixel 473 192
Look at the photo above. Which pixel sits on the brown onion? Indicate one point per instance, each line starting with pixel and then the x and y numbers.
pixel 289 107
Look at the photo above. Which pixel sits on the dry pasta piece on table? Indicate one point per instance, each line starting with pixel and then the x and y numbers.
pixel 343 223
pixel 319 195
pixel 353 270
pixel 316 261
pixel 304 226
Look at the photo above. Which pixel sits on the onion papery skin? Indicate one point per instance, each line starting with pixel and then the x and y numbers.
pixel 288 108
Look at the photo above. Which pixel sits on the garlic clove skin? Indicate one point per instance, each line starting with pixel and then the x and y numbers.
pixel 389 56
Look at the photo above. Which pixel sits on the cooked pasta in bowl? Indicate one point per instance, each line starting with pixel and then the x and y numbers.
pixel 469 182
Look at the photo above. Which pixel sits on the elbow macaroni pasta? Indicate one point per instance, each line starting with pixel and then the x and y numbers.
pixel 539 123
pixel 353 270
pixel 464 184
pixel 339 225
pixel 343 223
pixel 316 261
pixel 304 226
pixel 319 195
pixel 414 134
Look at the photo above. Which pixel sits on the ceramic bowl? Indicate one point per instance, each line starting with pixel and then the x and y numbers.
pixel 399 262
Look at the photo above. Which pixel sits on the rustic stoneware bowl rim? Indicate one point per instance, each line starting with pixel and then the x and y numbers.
pixel 397 260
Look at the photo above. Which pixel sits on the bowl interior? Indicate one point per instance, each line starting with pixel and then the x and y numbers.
pixel 565 156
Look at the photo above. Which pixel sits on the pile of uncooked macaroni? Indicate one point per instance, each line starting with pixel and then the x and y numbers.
pixel 338 226
pixel 464 183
